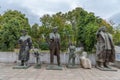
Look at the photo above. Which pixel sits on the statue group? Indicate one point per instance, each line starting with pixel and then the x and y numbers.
pixel 104 50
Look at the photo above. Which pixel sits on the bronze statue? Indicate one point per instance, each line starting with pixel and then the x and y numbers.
pixel 72 55
pixel 54 46
pixel 25 46
pixel 37 54
pixel 105 48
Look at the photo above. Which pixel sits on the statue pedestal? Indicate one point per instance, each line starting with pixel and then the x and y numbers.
pixel 106 69
pixel 21 67
pixel 54 67
pixel 72 66
pixel 117 59
pixel 37 66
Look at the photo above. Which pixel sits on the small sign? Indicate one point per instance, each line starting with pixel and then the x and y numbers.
pixel 117 56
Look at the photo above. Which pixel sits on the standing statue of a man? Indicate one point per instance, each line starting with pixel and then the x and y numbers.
pixel 25 46
pixel 105 48
pixel 54 46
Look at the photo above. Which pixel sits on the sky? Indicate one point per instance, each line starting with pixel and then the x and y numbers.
pixel 34 9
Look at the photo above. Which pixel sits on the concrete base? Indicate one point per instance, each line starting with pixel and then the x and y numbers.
pixel 72 66
pixel 117 64
pixel 38 66
pixel 106 69
pixel 21 67
pixel 54 67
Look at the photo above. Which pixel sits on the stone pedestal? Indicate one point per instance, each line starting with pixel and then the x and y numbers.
pixel 117 57
pixel 72 66
pixel 37 66
pixel 117 62
pixel 21 67
pixel 54 67
pixel 106 69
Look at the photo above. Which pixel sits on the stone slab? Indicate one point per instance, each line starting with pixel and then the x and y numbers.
pixel 54 67
pixel 106 69
pixel 21 67
pixel 38 66
pixel 72 66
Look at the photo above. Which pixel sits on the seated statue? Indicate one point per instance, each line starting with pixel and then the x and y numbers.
pixel 84 61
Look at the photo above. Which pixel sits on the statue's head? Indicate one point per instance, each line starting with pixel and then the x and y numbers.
pixel 84 54
pixel 71 43
pixel 103 28
pixel 82 48
pixel 55 29
pixel 24 32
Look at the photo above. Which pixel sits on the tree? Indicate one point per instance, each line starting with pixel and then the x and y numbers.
pixel 88 25
pixel 12 24
pixel 59 20
pixel 35 35
pixel 116 35
pixel 75 26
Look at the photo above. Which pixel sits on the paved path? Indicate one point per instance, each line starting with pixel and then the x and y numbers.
pixel 7 73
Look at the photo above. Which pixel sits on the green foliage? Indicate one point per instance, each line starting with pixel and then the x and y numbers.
pixel 87 28
pixel 77 26
pixel 58 19
pixel 34 33
pixel 116 35
pixel 81 28
pixel 88 37
pixel 44 46
pixel 12 23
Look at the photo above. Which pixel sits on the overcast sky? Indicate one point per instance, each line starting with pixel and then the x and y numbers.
pixel 34 9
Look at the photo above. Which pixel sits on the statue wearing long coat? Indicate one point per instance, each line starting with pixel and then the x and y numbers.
pixel 25 46
pixel 105 47
pixel 54 47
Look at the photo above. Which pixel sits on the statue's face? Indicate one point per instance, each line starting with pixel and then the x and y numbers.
pixel 104 29
pixel 55 30
pixel 24 33
pixel 84 54
pixel 71 44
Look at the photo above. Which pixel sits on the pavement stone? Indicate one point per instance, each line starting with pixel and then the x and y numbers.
pixel 8 73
